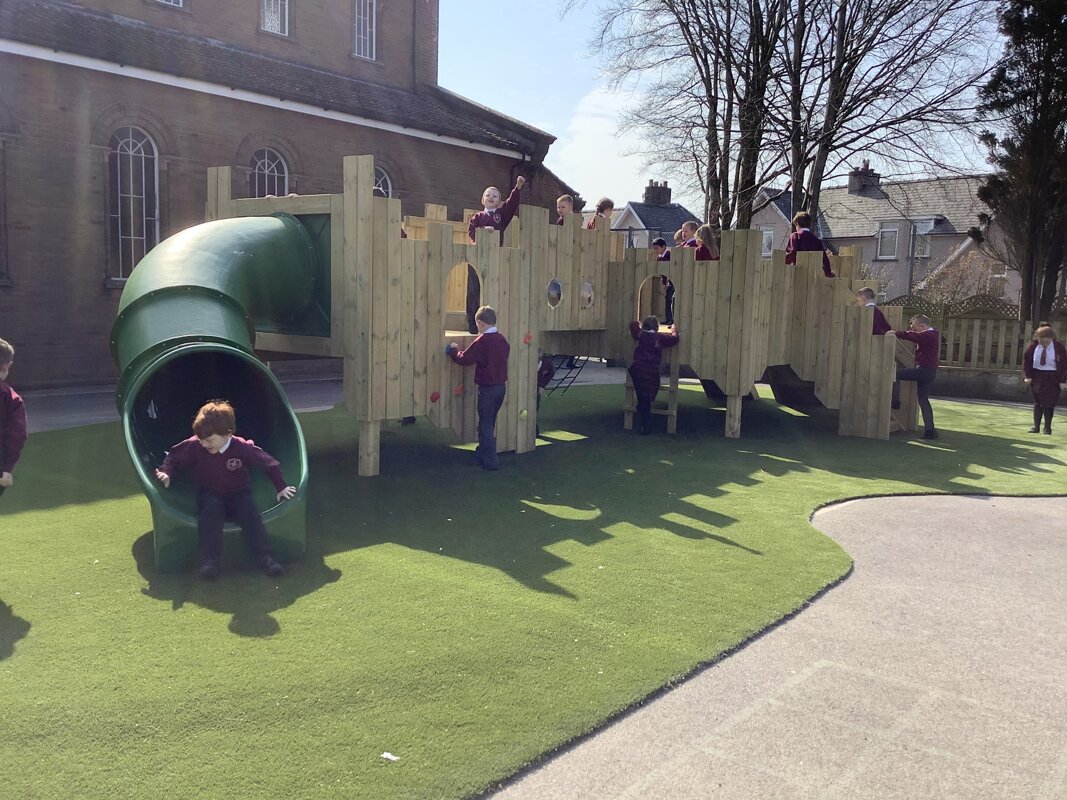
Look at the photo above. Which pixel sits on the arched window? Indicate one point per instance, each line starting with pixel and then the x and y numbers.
pixel 383 184
pixel 133 199
pixel 269 175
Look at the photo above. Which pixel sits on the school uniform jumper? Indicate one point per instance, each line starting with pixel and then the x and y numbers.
pixel 498 218
pixel 12 428
pixel 1046 367
pixel 927 356
pixel 804 241
pixel 223 490
pixel 489 353
pixel 881 325
pixel 644 371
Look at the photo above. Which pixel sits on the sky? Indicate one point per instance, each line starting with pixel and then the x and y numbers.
pixel 548 81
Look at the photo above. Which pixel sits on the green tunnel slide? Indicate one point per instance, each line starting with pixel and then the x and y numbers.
pixel 184 335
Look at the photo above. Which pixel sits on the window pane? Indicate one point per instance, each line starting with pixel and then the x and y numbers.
pixel 133 199
pixel 887 243
pixel 276 16
pixel 768 243
pixel 365 29
pixel 922 246
pixel 270 174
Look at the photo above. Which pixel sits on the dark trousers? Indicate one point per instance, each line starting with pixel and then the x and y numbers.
pixel 474 297
pixel 668 313
pixel 923 377
pixel 490 399
pixel 212 512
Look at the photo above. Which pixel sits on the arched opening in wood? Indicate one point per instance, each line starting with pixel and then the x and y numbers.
pixel 463 295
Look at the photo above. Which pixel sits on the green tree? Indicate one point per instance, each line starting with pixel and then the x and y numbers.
pixel 1025 101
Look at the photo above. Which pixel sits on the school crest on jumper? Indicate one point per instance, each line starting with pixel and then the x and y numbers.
pixel 496 218
pixel 234 464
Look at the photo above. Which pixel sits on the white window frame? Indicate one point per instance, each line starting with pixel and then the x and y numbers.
pixel 268 7
pixel 269 164
pixel 134 148
pixel 365 30
pixel 767 249
pixel 884 228
pixel 383 184
pixel 172 3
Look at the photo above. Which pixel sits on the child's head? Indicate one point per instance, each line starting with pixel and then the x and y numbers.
pixel 214 424
pixel 865 295
pixel 485 318
pixel 650 323
pixel 1045 335
pixel 604 206
pixel 491 197
pixel 689 229
pixel 659 246
pixel 802 219
pixel 7 358
pixel 706 237
pixel 920 322
pixel 564 204
pixel 679 236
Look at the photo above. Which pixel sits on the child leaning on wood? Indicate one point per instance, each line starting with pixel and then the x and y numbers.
pixel 645 369
pixel 12 420
pixel 489 353
pixel 1045 370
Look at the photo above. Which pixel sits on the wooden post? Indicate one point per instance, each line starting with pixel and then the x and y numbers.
pixel 733 416
pixel 219 194
pixel 369 445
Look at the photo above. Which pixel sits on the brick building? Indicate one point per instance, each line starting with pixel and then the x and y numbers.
pixel 111 111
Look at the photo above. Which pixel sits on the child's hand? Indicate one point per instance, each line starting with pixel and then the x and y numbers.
pixel 674 328
pixel 489 228
pixel 1027 380
pixel 286 493
pixel 520 182
pixel 1063 386
pixel 6 479
pixel 453 346
pixel 163 478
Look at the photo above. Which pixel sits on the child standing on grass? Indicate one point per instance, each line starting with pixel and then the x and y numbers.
pixel 927 355
pixel 12 420
pixel 1045 370
pixel 645 369
pixel 489 353
pixel 220 462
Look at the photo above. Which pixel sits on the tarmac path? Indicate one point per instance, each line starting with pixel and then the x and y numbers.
pixel 936 670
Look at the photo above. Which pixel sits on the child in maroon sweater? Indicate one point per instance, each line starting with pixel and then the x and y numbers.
pixel 1045 371
pixel 495 216
pixel 881 326
pixel 927 355
pixel 220 463
pixel 644 371
pixel 803 240
pixel 12 420
pixel 489 353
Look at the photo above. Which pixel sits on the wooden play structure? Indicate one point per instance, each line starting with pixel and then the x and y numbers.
pixel 394 304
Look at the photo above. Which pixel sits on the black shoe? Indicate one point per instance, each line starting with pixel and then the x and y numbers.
pixel 931 434
pixel 472 329
pixel 270 566
pixel 1034 429
pixel 209 569
pixel 1048 431
pixel 407 421
pixel 896 405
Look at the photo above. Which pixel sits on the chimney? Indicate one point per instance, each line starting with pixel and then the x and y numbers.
pixel 657 194
pixel 864 180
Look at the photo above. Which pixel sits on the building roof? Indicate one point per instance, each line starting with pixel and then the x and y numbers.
pixel 68 28
pixel 952 202
pixel 664 218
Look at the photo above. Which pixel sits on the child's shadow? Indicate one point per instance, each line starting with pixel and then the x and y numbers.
pixel 249 597
pixel 12 629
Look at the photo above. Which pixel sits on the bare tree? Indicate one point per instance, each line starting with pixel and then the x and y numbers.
pixel 743 93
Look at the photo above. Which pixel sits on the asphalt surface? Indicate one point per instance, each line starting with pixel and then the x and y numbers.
pixel 936 670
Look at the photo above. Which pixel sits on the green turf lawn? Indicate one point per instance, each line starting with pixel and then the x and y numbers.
pixel 466 622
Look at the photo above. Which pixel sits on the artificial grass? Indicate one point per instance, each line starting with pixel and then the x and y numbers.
pixel 463 621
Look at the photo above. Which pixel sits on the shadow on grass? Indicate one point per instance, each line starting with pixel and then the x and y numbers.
pixel 242 592
pixel 12 628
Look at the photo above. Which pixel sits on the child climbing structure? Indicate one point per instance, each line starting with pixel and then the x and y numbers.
pixel 388 305
pixel 396 302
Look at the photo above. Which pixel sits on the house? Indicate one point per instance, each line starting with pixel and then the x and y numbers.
pixel 905 231
pixel 656 216
pixel 111 111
